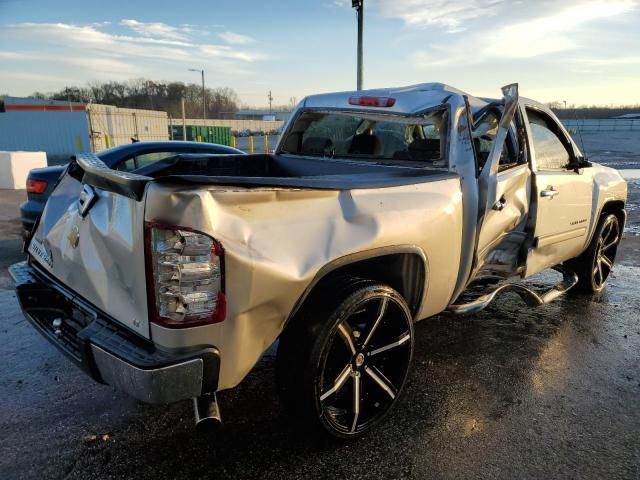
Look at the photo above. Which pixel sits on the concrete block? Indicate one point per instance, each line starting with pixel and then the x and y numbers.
pixel 15 166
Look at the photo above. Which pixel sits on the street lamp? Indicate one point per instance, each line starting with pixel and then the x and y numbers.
pixel 359 6
pixel 204 97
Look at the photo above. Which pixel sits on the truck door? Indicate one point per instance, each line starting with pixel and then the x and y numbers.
pixel 563 196
pixel 504 187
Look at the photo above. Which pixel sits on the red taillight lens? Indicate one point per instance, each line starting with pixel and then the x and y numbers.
pixel 36 186
pixel 366 101
pixel 185 277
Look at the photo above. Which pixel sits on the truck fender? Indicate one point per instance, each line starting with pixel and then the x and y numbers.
pixel 410 281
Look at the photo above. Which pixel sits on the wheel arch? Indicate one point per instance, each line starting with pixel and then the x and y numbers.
pixel 404 268
pixel 615 207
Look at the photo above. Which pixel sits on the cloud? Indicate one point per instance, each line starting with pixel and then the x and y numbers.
pixel 445 13
pixel 4 55
pixel 235 38
pixel 164 45
pixel 537 36
pixel 83 52
pixel 32 77
pixel 155 29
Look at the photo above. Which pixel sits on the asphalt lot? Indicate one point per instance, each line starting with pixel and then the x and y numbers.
pixel 510 393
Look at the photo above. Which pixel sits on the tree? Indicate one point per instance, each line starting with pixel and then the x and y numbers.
pixel 149 94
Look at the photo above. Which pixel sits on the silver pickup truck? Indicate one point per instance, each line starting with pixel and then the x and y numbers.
pixel 378 208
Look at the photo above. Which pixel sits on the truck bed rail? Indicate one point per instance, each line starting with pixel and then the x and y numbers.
pixel 97 174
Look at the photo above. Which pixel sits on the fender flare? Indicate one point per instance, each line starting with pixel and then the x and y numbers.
pixel 353 258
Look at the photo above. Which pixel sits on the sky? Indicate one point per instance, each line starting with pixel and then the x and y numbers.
pixel 583 51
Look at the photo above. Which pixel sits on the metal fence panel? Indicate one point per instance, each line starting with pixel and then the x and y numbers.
pixel 602 124
pixel 112 126
pixel 236 125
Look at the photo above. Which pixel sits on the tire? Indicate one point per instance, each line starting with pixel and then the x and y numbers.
pixel 343 364
pixel 595 264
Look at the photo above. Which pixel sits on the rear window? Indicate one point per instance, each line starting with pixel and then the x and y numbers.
pixel 345 135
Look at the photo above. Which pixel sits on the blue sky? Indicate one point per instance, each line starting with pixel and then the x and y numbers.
pixel 582 51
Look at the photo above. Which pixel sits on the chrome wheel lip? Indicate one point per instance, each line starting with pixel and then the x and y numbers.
pixel 360 372
pixel 605 253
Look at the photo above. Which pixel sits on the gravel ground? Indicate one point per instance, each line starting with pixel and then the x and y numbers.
pixel 512 392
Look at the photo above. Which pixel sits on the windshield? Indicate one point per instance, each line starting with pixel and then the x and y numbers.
pixel 376 137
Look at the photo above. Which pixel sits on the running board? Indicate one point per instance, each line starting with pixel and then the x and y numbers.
pixel 532 298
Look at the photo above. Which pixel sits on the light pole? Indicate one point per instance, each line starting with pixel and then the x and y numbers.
pixel 359 6
pixel 204 96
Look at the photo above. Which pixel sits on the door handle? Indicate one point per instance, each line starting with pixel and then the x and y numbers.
pixel 549 192
pixel 500 204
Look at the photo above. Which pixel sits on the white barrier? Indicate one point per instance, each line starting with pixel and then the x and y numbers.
pixel 15 166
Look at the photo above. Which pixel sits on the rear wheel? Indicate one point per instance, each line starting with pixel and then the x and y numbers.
pixel 595 264
pixel 342 367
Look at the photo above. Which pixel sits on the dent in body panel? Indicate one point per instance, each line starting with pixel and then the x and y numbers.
pixel 106 264
pixel 276 241
pixel 503 230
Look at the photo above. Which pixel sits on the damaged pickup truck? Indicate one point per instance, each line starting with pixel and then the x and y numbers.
pixel 378 208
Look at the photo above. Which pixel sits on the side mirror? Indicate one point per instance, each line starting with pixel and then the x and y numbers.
pixel 584 163
pixel 579 164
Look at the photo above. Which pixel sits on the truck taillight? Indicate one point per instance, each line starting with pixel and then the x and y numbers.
pixel 185 277
pixel 369 101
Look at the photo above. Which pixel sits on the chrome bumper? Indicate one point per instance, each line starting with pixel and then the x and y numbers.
pixel 156 385
pixel 108 352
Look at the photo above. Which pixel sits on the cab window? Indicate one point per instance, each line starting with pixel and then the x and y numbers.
pixel 550 150
pixel 372 136
pixel 485 129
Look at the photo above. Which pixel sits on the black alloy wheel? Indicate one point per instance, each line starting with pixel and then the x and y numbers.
pixel 595 264
pixel 357 360
pixel 606 250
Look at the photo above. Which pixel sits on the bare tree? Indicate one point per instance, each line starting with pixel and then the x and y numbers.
pixel 149 94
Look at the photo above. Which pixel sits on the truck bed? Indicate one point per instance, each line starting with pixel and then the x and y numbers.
pixel 287 171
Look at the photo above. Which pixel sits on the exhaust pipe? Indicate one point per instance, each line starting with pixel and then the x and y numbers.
pixel 207 412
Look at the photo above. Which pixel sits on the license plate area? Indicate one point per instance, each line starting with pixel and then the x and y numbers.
pixel 56 317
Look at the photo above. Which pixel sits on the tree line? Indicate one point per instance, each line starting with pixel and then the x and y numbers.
pixel 152 95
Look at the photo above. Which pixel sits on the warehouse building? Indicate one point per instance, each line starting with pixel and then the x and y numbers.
pixel 58 128
pixel 62 129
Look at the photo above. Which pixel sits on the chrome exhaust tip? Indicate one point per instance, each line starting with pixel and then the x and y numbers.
pixel 207 412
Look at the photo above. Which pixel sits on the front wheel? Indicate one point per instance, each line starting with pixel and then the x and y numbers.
pixel 342 367
pixel 595 264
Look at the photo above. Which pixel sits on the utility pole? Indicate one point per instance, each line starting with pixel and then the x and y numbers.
pixel 204 95
pixel 359 6
pixel 270 98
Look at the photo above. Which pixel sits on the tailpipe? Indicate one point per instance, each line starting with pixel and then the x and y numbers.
pixel 207 412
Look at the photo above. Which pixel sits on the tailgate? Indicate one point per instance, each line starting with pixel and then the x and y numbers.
pixel 92 239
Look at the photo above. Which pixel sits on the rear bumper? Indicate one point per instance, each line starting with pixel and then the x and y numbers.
pixel 107 351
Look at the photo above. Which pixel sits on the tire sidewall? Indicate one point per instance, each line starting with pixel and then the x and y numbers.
pixel 325 337
pixel 593 252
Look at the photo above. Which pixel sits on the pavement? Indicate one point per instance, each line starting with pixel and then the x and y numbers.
pixel 512 392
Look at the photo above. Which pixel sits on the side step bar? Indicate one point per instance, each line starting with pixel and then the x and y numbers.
pixel 532 298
